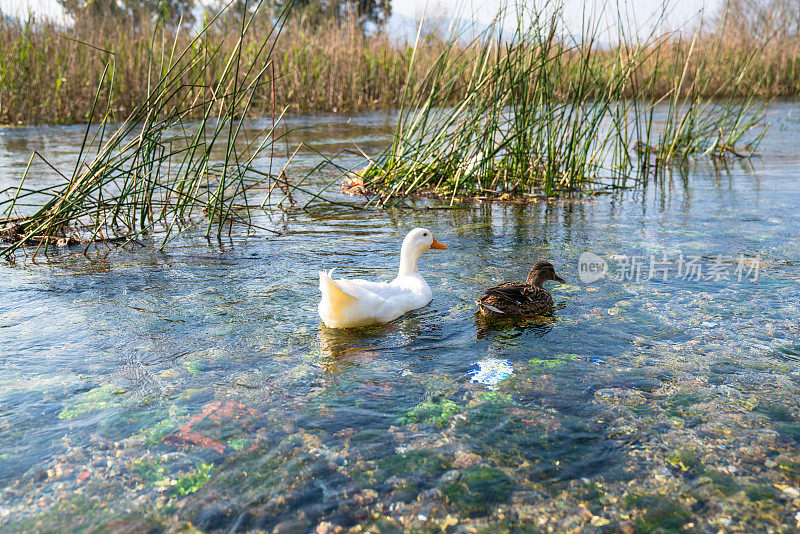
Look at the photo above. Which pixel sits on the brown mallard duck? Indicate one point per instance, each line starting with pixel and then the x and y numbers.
pixel 514 299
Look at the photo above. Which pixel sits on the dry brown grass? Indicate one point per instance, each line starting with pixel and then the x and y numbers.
pixel 50 74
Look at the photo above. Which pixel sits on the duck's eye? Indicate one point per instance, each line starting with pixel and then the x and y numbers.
pixel 425 234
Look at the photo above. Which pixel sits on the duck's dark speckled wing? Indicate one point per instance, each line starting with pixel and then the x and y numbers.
pixel 514 299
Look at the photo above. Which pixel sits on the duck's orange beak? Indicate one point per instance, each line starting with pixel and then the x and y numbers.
pixel 438 245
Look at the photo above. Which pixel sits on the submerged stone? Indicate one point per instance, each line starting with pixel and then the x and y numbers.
pixel 477 490
pixel 213 518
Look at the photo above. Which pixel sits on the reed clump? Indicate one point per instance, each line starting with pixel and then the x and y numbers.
pixel 532 111
pixel 541 113
pixel 178 159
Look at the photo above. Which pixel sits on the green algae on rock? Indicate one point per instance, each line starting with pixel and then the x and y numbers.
pixel 477 489
pixel 431 412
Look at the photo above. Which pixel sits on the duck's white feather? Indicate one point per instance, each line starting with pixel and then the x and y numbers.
pixel 347 303
pixel 490 307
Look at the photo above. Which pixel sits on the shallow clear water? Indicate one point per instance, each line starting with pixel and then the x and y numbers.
pixel 196 385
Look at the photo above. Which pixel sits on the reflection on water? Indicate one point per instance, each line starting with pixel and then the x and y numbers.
pixel 143 389
pixel 491 372
pixel 510 328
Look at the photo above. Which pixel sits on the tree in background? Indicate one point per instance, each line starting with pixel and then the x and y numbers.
pixel 762 20
pixel 173 12
pixel 314 13
pixel 367 11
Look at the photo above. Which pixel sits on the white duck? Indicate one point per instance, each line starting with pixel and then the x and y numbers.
pixel 348 303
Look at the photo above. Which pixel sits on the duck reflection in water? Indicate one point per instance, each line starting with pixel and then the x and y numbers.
pixel 341 348
pixel 514 327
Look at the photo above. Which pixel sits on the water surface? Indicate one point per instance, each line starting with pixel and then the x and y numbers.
pixel 196 385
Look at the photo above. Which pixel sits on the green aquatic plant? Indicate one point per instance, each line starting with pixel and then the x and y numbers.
pixel 685 460
pixel 238 444
pixel 528 111
pixel 416 463
pixel 323 66
pixel 656 513
pixel 172 418
pixel 761 492
pixel 538 365
pixel 519 127
pixel 679 405
pixel 592 492
pixel 700 120
pixel 194 366
pixel 178 159
pixel 192 482
pixel 94 400
pixel 497 398
pixel 775 412
pixel 722 482
pixel 790 430
pixel 791 470
pixel 540 112
pixel 432 412
pixel 149 471
pixel 792 350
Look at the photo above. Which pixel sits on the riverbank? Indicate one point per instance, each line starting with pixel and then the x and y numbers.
pixel 51 74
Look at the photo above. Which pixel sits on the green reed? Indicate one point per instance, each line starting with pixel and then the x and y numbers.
pixel 705 116
pixel 155 172
pixel 524 111
pixel 540 112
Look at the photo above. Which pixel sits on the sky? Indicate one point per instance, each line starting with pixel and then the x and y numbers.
pixel 641 13
pixel 485 9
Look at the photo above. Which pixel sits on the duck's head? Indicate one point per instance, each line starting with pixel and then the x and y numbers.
pixel 421 240
pixel 417 242
pixel 541 272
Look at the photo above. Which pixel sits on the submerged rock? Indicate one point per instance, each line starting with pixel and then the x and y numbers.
pixel 214 517
pixel 477 490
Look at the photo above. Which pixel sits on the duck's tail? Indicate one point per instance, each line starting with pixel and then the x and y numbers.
pixel 332 293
